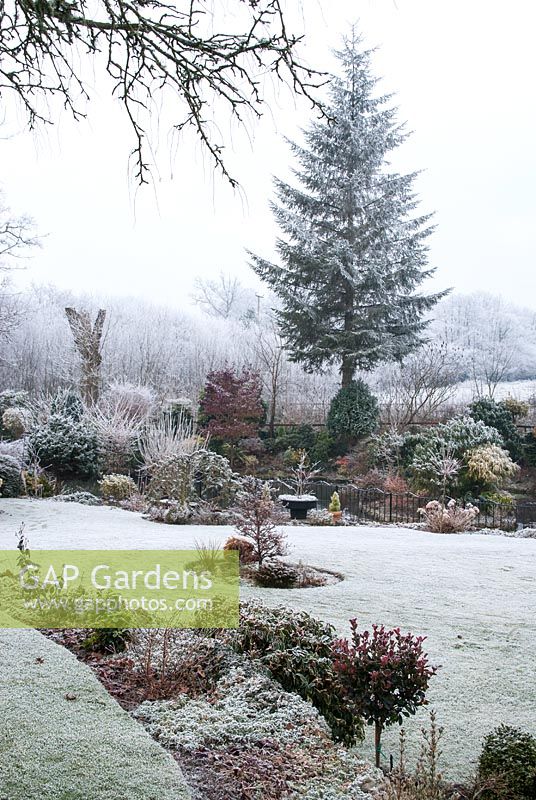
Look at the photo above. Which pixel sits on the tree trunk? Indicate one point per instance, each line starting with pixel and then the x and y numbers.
pixel 348 369
pixel 87 338
pixel 271 420
pixel 377 742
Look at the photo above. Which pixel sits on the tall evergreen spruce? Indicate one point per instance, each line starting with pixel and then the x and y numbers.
pixel 354 251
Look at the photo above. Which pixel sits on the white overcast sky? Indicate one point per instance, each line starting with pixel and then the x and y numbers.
pixel 463 72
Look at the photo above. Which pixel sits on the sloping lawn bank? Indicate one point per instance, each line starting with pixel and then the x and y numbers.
pixel 62 737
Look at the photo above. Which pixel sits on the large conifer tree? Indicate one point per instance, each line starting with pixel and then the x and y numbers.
pixel 354 251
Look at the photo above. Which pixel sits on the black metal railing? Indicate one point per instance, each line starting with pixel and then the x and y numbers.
pixel 375 505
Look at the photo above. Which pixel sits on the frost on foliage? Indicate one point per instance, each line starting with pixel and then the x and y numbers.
pixel 345 778
pixel 16 421
pixel 133 402
pixel 117 487
pixel 67 445
pixel 249 709
pixel 189 477
pixel 456 438
pixel 490 465
pixel 449 518
pixel 84 498
pixel 354 251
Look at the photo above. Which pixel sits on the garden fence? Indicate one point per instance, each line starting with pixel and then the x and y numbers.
pixel 375 505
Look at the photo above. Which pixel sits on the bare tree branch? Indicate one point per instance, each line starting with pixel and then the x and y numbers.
pixel 220 297
pixel 149 46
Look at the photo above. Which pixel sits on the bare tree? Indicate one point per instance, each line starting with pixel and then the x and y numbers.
pixel 493 356
pixel 88 342
pixel 269 354
pixel 416 389
pixel 149 48
pixel 219 297
pixel 17 238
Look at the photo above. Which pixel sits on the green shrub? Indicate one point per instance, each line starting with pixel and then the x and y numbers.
pixel 277 575
pixel 67 446
pixel 529 449
pixel 11 476
pixel 517 408
pixel 107 640
pixel 353 413
pixel 509 755
pixel 38 482
pixel 322 450
pixel 453 440
pixel 499 416
pixel 189 477
pixel 69 404
pixel 117 487
pixel 297 650
pixel 295 437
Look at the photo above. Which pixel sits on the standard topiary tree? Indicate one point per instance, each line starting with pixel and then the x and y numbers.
pixel 509 756
pixel 353 413
pixel 385 674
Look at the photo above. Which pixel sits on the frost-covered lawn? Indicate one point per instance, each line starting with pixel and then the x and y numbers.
pixel 474 596
pixel 62 737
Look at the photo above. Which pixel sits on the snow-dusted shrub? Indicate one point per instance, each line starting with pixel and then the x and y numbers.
pixel 297 650
pixel 319 516
pixel 118 434
pixel 67 445
pixel 276 574
pixel 353 413
pixel 117 487
pixel 136 502
pixel 69 404
pixel 499 416
pixel 172 512
pixel 449 441
pixel 248 708
pixel 128 400
pixel 490 465
pixel 10 398
pixel 449 518
pixel 384 450
pixel 509 757
pixel 15 448
pixel 168 438
pixel 188 477
pixel 16 421
pixel 11 475
pixel 84 498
